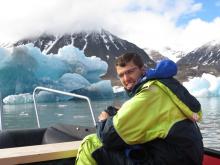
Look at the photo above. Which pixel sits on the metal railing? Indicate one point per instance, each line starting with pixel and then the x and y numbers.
pixel 64 93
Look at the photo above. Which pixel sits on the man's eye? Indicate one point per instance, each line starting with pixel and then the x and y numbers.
pixel 120 75
pixel 129 71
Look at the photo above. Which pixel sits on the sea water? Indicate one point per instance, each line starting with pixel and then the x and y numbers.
pixel 78 112
pixel 210 124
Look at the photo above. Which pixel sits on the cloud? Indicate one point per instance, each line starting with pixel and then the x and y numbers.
pixel 199 32
pixel 172 9
pixel 147 23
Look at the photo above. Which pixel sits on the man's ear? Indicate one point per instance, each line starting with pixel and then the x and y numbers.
pixel 143 69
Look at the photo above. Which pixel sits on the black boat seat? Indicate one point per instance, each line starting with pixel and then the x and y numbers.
pixel 6 140
pixel 36 136
pixel 18 138
pixel 65 133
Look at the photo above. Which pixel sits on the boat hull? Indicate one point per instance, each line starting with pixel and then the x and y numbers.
pixel 66 133
pixel 211 157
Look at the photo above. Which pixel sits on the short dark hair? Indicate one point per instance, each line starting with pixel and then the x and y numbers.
pixel 123 59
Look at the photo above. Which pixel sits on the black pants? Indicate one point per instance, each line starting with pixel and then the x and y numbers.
pixel 157 152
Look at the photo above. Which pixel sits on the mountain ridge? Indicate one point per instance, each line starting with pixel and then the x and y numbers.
pixel 204 59
pixel 101 43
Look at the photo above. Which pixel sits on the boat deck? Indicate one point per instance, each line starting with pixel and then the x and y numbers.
pixel 56 151
pixel 38 153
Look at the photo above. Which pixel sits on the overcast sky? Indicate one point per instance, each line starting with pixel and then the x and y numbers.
pixel 180 24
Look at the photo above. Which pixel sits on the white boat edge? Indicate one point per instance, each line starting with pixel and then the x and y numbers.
pixel 39 153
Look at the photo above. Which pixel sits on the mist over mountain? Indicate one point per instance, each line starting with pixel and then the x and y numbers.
pixel 101 43
pixel 6 45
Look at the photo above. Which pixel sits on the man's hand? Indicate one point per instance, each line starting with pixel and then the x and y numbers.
pixel 103 116
pixel 111 110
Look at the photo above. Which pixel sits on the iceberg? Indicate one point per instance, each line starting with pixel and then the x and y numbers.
pixel 73 81
pixel 119 92
pixel 26 67
pixel 101 89
pixel 206 86
pixel 89 67
pixel 18 99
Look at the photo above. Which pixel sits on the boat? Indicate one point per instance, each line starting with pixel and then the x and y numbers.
pixel 57 144
pixel 211 157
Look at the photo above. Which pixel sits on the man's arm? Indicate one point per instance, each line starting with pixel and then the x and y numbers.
pixel 106 131
pixel 108 135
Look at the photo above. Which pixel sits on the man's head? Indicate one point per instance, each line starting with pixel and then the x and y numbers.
pixel 129 67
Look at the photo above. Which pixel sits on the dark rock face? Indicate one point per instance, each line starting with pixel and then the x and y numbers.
pixel 102 44
pixel 205 59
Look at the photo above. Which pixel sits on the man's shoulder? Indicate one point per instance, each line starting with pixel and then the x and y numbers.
pixel 150 83
pixel 149 86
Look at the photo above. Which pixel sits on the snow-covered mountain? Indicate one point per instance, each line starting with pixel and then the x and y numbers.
pixel 171 53
pixel 154 54
pixel 101 43
pixel 204 59
pixel 164 53
pixel 207 54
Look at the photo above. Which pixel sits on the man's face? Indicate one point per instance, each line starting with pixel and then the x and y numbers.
pixel 129 74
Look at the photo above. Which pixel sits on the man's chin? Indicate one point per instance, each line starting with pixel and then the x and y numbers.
pixel 129 88
pixel 128 91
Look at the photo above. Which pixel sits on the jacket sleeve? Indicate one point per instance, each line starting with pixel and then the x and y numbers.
pixel 133 113
pixel 108 135
pixel 106 130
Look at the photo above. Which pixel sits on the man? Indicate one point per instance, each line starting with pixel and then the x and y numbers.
pixel 156 126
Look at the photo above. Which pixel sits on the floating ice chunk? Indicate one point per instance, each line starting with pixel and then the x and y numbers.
pixel 206 86
pixel 24 114
pixel 118 89
pixel 58 114
pixel 18 99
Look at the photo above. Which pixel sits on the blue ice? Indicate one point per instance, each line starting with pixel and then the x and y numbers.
pixel 26 67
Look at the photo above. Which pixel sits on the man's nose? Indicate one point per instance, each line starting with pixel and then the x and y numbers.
pixel 126 77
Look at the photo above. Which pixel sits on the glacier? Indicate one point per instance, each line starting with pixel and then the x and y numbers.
pixel 26 67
